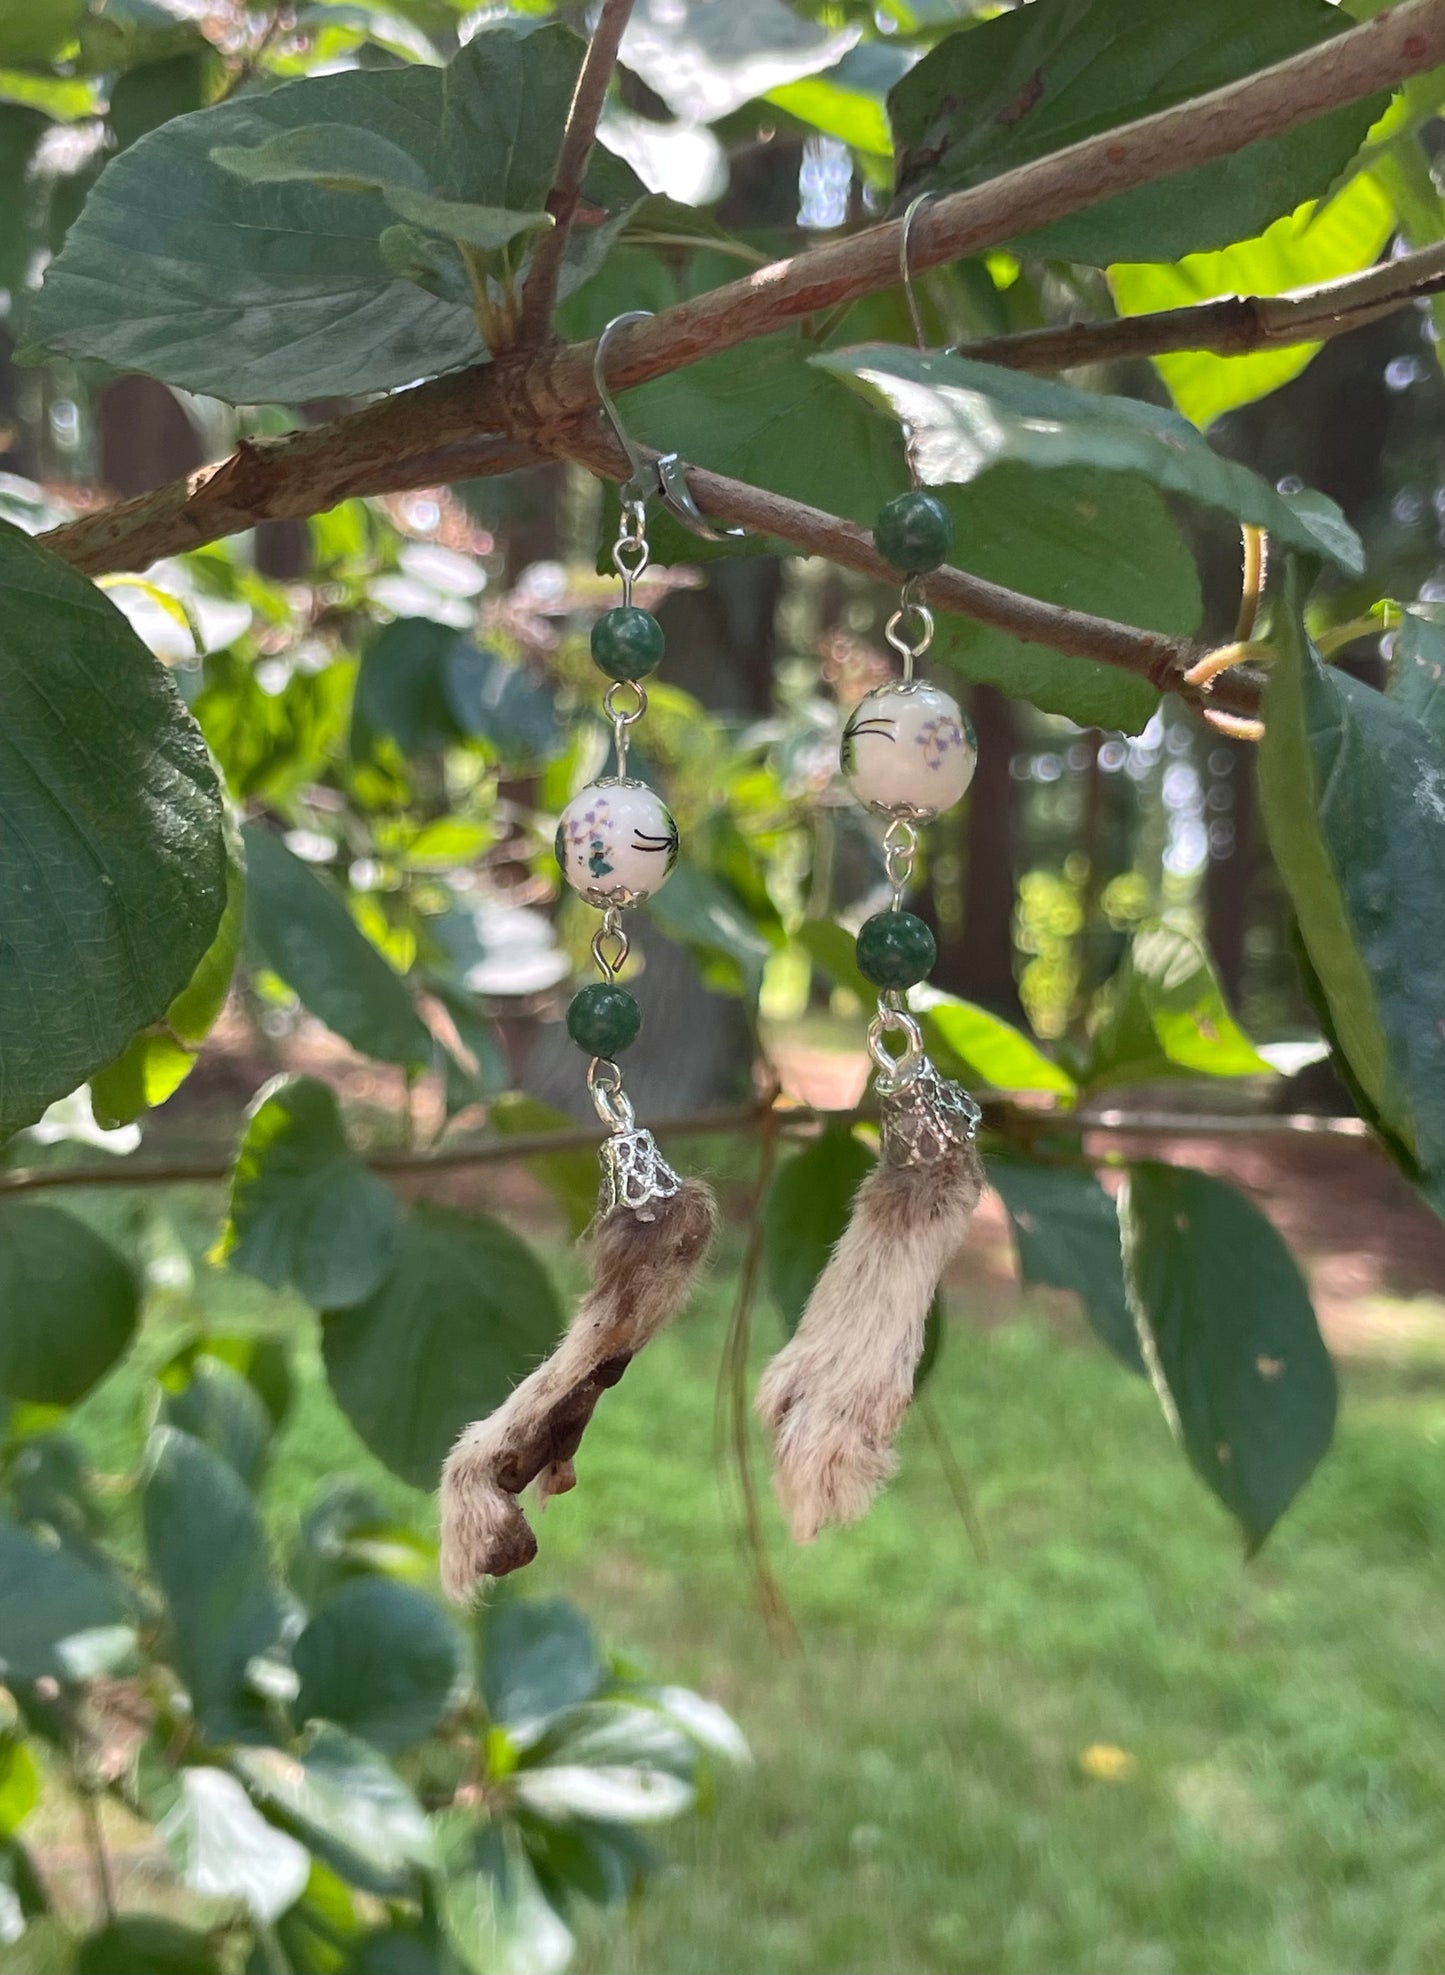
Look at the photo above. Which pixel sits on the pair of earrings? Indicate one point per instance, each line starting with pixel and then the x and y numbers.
pixel 834 1398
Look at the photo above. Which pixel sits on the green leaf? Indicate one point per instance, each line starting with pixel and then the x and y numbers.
pixel 539 1658
pixel 342 158
pixel 761 413
pixel 806 1211
pixel 1319 242
pixel 570 1177
pixel 401 689
pixel 306 935
pixel 21 130
pixel 36 31
pixel 150 95
pixel 147 1944
pixel 281 291
pixel 466 1312
pixel 381 1660
pixel 1029 82
pixel 272 744
pixel 49 1603
pixel 224 1849
pixel 849 100
pixel 207 1548
pixel 1352 787
pixel 19 1784
pixel 497 1917
pixel 261 1358
pixel 832 950
pixel 305 1212
pixel 68 1305
pixel 1165 1016
pixel 112 866
pixel 1417 668
pixel 349 1531
pixel 705 914
pixel 347 1804
pixel 1231 1339
pixel 965 1040
pixel 1066 1233
pixel 1101 542
pixel 967 416
pixel 218 1407
pixel 155 1063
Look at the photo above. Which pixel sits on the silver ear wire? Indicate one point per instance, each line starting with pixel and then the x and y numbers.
pixel 905 266
pixel 663 477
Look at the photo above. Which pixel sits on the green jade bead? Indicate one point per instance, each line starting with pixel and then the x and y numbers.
pixel 914 533
pixel 603 1019
pixel 627 643
pixel 895 950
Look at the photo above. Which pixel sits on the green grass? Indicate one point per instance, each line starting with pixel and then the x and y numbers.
pixel 917 1801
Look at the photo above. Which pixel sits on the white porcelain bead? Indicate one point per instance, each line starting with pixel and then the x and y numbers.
pixel 908 748
pixel 616 843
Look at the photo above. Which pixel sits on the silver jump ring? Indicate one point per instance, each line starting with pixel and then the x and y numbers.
pixel 895 1073
pixel 610 945
pixel 614 708
pixel 900 847
pixel 910 650
pixel 609 1100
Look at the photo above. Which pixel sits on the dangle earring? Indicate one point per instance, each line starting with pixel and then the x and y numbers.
pixel 834 1398
pixel 616 844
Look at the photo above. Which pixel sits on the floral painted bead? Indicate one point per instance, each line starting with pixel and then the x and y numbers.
pixel 616 843
pixel 908 749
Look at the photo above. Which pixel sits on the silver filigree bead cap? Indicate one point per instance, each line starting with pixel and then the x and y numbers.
pixel 926 1118
pixel 634 1173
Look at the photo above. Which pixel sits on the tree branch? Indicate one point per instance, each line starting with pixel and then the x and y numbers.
pixel 254 485
pixel 1231 326
pixel 406 1166
pixel 1150 655
pixel 539 297
pixel 523 396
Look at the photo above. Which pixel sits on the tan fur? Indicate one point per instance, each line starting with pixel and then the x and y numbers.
pixel 642 1271
pixel 835 1395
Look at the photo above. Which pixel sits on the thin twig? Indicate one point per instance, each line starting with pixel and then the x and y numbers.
pixel 1255 547
pixel 525 396
pixel 998 1114
pixel 1163 661
pixel 539 296
pixel 95 1845
pixel 1231 326
pixel 732 1396
pixel 955 1477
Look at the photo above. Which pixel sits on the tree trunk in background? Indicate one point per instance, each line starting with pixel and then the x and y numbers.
pixel 980 965
pixel 722 639
pixel 144 435
pixel 1228 877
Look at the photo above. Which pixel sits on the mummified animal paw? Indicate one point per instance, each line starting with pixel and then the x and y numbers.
pixel 644 1263
pixel 835 1396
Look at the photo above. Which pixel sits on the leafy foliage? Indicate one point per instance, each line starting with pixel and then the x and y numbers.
pixel 361 1772
pixel 1025 84
pixel 1230 1337
pixel 382 233
pixel 112 869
